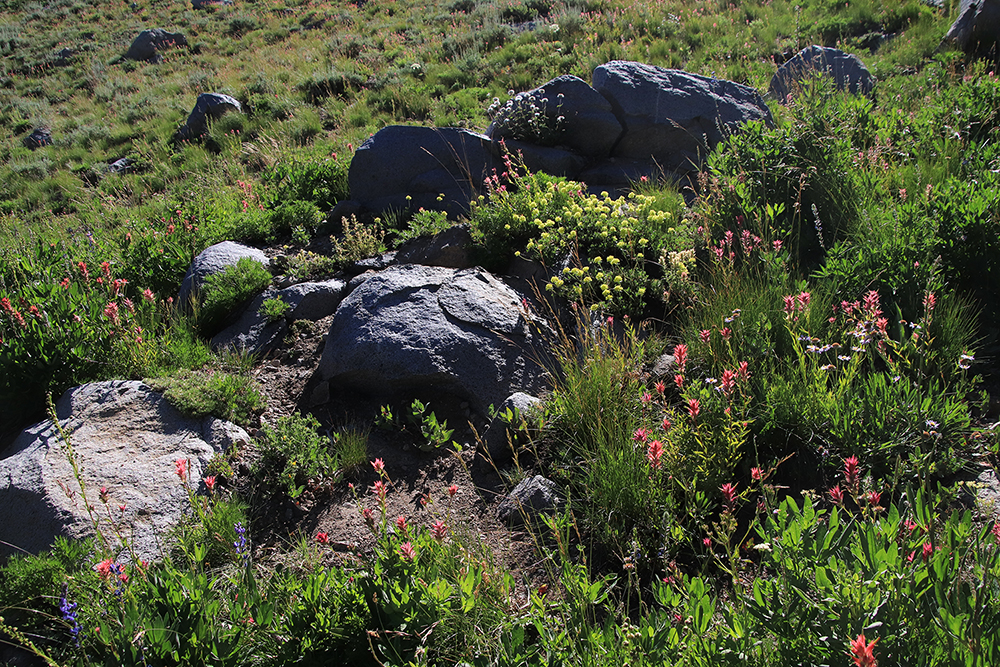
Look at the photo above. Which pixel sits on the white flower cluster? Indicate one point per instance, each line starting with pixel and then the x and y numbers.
pixel 527 117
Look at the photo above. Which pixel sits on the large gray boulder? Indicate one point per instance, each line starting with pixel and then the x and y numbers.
pixel 977 28
pixel 424 163
pixel 125 437
pixel 847 71
pixel 671 117
pixel 208 106
pixel 449 248
pixel 148 44
pixel 588 125
pixel 215 259
pixel 412 327
pixel 252 332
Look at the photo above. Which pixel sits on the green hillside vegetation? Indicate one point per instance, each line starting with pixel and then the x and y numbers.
pixel 786 496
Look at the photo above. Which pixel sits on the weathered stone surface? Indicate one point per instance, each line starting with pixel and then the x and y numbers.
pixel 209 106
pixel 847 71
pixel 505 429
pixel 424 163
pixel 39 137
pixel 149 43
pixel 533 496
pixel 977 28
pixel 214 259
pixel 449 248
pixel 123 166
pixel 671 117
pixel 125 437
pixel 253 333
pixel 589 127
pixel 412 327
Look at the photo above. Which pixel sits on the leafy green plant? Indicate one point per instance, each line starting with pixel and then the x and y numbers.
pixel 224 292
pixel 274 310
pixel 294 455
pixel 357 242
pixel 431 434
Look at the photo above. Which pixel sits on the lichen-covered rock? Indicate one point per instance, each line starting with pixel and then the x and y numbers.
pixel 533 496
pixel 208 106
pixel 149 43
pixel 125 437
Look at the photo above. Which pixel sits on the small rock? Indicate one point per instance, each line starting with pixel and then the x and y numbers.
pixel 39 137
pixel 533 496
pixel 320 394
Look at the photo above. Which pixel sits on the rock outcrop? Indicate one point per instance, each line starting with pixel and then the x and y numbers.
pixel 148 44
pixel 532 497
pixel 215 259
pixel 125 437
pixel 208 106
pixel 413 327
pixel 977 28
pixel 847 71
pixel 636 121
pixel 39 137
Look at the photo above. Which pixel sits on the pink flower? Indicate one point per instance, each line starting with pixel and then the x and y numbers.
pixel 927 550
pixel 996 530
pixel 862 652
pixel 694 407
pixel 743 372
pixel 148 295
pixel 680 356
pixel 407 551
pixel 707 541
pixel 665 424
pixel 210 482
pixel 660 387
pixel 121 508
pixel 379 466
pixel 756 474
pixel 104 568
pixel 401 524
pixel 106 270
pixel 705 335
pixel 439 530
pixel 380 490
pixel 728 382
pixel 180 466
pixel 647 398
pixel 322 538
pixel 929 301
pixel 452 490
pixel 777 245
pixel 851 471
pixel 111 312
pixel 729 495
pixel 726 332
pixel 873 498
pixel 640 435
pixel 368 516
pixel 837 495
pixel 64 283
pixel 655 454
pixel 679 381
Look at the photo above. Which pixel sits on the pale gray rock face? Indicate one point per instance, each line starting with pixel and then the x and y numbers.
pixel 125 437
pixel 674 117
pixel 847 71
pixel 412 327
pixel 208 106
pixel 533 496
pixel 307 301
pixel 216 259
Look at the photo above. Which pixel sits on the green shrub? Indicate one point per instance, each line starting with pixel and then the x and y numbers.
pixel 294 455
pixel 323 182
pixel 199 393
pixel 222 293
pixel 302 217
pixel 274 310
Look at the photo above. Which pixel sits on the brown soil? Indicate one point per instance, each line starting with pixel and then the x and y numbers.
pixel 289 379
